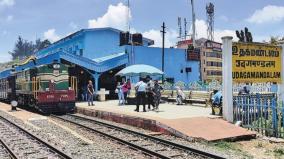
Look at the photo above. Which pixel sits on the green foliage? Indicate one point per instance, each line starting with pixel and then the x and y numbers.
pixel 24 48
pixel 278 152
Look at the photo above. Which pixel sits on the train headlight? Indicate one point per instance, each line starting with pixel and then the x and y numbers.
pixel 56 66
pixel 14 103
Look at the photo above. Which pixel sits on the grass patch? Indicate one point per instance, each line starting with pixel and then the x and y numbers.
pixel 259 145
pixel 230 146
pixel 278 152
pixel 223 145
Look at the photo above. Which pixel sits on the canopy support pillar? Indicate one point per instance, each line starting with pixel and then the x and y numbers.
pixel 96 77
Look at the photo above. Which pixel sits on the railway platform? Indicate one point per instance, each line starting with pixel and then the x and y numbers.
pixel 186 121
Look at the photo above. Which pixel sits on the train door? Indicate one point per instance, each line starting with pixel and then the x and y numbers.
pixel 35 86
pixel 74 85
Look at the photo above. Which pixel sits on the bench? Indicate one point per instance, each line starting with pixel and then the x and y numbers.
pixel 171 95
pixel 203 97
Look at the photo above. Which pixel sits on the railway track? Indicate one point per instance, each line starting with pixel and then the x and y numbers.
pixel 18 143
pixel 150 145
pixel 5 152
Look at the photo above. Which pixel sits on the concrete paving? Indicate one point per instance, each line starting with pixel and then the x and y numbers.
pixel 166 111
pixel 185 121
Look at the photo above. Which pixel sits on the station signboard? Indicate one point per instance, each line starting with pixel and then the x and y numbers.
pixel 256 63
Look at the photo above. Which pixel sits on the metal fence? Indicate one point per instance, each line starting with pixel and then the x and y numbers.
pixel 261 113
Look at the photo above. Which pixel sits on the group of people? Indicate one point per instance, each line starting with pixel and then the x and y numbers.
pixel 123 89
pixel 149 90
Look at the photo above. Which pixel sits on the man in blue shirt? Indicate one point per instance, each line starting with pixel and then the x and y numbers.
pixel 217 101
pixel 140 88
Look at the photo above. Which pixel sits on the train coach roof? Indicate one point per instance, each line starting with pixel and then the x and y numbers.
pixel 5 73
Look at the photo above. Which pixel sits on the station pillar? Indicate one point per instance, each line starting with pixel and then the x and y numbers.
pixel 96 76
pixel 227 78
pixel 281 85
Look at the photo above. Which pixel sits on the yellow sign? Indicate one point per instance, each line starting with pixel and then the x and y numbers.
pixel 257 63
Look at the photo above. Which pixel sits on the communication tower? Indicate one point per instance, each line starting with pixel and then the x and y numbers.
pixel 210 21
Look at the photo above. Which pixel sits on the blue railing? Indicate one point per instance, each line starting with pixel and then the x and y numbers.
pixel 260 113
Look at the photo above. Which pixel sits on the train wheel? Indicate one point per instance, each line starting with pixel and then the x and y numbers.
pixel 32 103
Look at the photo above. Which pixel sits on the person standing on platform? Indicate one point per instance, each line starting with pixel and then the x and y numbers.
pixel 120 93
pixel 128 84
pixel 91 91
pixel 140 88
pixel 124 90
pixel 157 94
pixel 149 90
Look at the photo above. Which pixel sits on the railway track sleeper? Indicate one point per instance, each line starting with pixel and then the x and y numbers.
pixel 28 135
pixel 146 151
pixel 13 156
pixel 165 142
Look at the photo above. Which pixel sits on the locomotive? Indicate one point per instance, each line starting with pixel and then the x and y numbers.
pixel 45 88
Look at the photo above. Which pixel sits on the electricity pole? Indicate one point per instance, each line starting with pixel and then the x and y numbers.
pixel 163 49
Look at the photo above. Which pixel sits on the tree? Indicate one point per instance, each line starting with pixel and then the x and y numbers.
pixel 244 36
pixel 39 45
pixel 274 40
pixel 24 48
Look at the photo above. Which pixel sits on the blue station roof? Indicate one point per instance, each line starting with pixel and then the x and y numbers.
pixel 99 65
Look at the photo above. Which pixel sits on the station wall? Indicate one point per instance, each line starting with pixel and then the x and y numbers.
pixel 175 62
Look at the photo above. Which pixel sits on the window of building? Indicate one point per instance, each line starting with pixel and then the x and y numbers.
pixel 81 52
pixel 188 69
pixel 170 80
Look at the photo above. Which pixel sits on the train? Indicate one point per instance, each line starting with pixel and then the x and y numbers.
pixel 45 88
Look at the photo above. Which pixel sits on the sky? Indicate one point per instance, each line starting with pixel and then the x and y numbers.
pixel 55 19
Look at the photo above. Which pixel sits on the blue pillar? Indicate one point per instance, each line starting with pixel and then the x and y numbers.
pixel 96 76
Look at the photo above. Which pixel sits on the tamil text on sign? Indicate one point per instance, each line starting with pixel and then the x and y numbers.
pixel 256 63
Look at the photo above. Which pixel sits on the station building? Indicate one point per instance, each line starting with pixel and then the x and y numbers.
pixel 96 54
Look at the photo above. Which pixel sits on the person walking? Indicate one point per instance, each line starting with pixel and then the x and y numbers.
pixel 91 91
pixel 149 91
pixel 140 88
pixel 120 94
pixel 157 94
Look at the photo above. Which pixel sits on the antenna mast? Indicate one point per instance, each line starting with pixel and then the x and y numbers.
pixel 128 15
pixel 210 21
pixel 193 23
pixel 185 28
pixel 180 28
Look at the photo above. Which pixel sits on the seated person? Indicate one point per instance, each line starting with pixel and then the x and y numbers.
pixel 180 96
pixel 217 101
pixel 244 91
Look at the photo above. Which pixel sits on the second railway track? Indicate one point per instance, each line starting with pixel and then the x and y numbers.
pixel 150 145
pixel 16 142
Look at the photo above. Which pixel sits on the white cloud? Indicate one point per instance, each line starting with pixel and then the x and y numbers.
pixel 116 16
pixel 7 2
pixel 269 13
pixel 51 35
pixel 170 37
pixel 201 31
pixel 73 25
pixel 5 57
